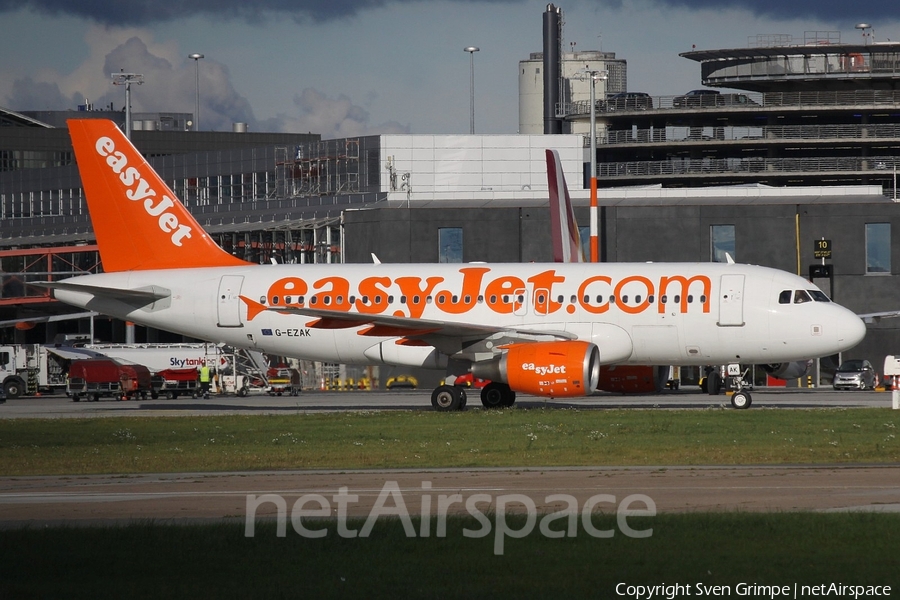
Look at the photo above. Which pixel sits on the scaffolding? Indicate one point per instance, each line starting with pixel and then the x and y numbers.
pixel 293 242
pixel 20 268
pixel 324 168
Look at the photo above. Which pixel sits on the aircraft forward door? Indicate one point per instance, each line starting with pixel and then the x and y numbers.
pixel 731 301
pixel 228 302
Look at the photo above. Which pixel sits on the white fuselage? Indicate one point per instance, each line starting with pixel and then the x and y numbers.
pixel 636 313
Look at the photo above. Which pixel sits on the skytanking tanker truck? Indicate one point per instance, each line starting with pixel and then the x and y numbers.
pixel 30 369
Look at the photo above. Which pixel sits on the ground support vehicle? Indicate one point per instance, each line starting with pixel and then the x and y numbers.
pixel 178 382
pixel 95 378
pixel 29 369
pixel 283 380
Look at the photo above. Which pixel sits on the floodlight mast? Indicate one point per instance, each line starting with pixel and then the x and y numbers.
pixel 471 50
pixel 593 76
pixel 197 56
pixel 127 79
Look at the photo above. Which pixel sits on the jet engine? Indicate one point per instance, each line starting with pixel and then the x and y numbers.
pixel 555 369
pixel 633 379
pixel 789 370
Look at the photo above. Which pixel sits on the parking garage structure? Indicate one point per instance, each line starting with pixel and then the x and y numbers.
pixel 813 113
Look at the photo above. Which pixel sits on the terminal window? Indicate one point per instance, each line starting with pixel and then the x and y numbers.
pixel 878 248
pixel 584 233
pixel 450 244
pixel 721 238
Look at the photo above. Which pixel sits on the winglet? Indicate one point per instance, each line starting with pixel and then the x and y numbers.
pixel 566 239
pixel 139 222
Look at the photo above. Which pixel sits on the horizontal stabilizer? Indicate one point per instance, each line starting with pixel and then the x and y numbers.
pixel 149 293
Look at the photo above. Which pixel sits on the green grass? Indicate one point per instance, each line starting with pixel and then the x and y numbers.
pixel 363 440
pixel 217 561
pixel 154 560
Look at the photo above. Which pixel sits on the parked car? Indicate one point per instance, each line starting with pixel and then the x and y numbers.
pixel 629 101
pixel 697 99
pixel 711 98
pixel 736 100
pixel 855 375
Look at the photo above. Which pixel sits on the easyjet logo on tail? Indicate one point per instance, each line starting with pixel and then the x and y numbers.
pixel 139 190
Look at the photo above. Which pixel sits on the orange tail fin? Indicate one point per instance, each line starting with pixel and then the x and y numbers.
pixel 139 223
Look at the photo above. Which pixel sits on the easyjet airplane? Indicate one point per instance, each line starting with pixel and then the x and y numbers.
pixel 543 329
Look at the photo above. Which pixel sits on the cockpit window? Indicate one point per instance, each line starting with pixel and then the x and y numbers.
pixel 819 296
pixel 800 296
pixel 785 297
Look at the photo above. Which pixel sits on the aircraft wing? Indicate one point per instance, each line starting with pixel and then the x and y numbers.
pixel 877 316
pixel 464 340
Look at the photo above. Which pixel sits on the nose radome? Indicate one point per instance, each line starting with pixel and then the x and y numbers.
pixel 851 330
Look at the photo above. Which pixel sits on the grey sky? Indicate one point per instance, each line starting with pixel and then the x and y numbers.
pixel 355 67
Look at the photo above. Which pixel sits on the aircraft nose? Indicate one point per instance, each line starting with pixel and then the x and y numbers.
pixel 851 329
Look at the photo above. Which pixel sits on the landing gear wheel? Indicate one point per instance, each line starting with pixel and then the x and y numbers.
pixel 741 400
pixel 714 383
pixel 446 398
pixel 497 395
pixel 463 398
pixel 492 395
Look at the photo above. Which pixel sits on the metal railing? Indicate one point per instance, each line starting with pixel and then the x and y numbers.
pixel 877 165
pixel 751 101
pixel 767 134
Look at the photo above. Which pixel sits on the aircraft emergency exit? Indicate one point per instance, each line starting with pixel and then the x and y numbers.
pixel 542 329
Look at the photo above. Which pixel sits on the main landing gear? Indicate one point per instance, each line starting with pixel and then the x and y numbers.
pixel 497 395
pixel 446 398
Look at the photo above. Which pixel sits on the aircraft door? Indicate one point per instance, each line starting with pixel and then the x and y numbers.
pixel 541 301
pixel 731 301
pixel 228 302
pixel 520 302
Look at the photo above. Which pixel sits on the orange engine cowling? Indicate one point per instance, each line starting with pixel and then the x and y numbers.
pixel 633 379
pixel 554 369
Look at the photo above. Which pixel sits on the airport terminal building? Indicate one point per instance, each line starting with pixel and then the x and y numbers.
pixel 792 182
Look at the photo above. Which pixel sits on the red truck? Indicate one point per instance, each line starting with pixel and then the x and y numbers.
pixel 98 377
